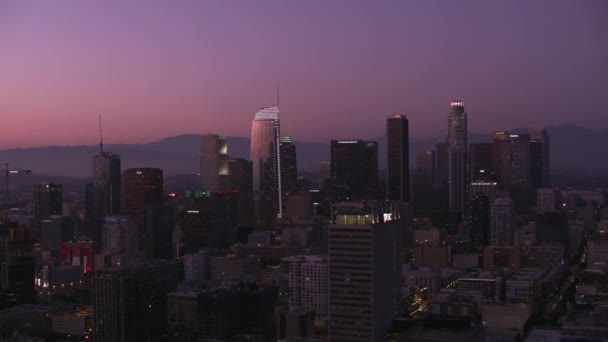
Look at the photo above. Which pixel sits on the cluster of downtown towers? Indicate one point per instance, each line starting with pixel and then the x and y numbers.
pixel 453 179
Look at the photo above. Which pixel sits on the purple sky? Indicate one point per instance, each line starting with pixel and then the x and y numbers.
pixel 160 68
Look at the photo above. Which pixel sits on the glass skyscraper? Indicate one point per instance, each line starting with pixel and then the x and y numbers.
pixel 265 154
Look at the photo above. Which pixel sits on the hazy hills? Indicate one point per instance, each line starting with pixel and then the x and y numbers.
pixel 572 147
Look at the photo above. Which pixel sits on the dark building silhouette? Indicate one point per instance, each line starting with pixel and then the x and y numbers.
pixel 289 169
pixel 141 187
pixel 130 302
pixel 424 179
pixel 106 185
pixel 48 200
pixel 208 219
pixel 241 180
pixel 539 159
pixel 354 163
pixel 479 219
pixel 103 194
pixel 398 169
pixel 481 167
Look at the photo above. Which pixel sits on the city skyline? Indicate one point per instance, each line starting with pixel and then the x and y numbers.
pixel 510 66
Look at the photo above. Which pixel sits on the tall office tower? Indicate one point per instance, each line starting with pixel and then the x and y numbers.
pixel 442 161
pixel 155 226
pixel 54 230
pixel 539 159
pixel 546 201
pixel 520 182
pixel 364 272
pixel 501 157
pixel 355 164
pixel 106 185
pixel 130 301
pixel 308 286
pixel 119 235
pixel 265 154
pixel 324 172
pixel 141 187
pixel 479 219
pixel 241 180
pixel 398 159
pixel 104 192
pixel 48 200
pixel 457 156
pixel 502 229
pixel 490 189
pixel 214 162
pixel 481 162
pixel 289 167
pixel 424 179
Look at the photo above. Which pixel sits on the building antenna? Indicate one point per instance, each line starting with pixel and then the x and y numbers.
pixel 277 95
pixel 100 136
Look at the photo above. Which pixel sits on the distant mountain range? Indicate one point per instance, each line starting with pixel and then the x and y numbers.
pixel 572 147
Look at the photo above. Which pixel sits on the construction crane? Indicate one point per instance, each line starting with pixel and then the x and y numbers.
pixel 7 173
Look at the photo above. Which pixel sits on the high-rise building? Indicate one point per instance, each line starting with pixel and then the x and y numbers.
pixel 265 154
pixel 324 172
pixel 48 200
pixel 546 200
pixel 119 235
pixel 289 168
pixel 308 286
pixel 481 162
pixel 355 164
pixel 54 230
pixel 539 159
pixel 241 180
pixel 130 301
pixel 502 229
pixel 501 157
pixel 398 159
pixel 141 187
pixel 364 272
pixel 424 179
pixel 520 189
pixel 457 156
pixel 106 185
pixel 479 219
pixel 442 161
pixel 214 169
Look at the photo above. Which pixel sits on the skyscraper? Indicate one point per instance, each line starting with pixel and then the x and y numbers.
pixel 424 179
pixel 104 191
pixel 289 167
pixel 141 187
pixel 265 154
pixel 364 273
pixel 502 229
pixel 106 179
pixel 214 162
pixel 520 188
pixel 539 159
pixel 481 162
pixel 457 156
pixel 398 169
pixel 355 164
pixel 48 200
pixel 241 180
